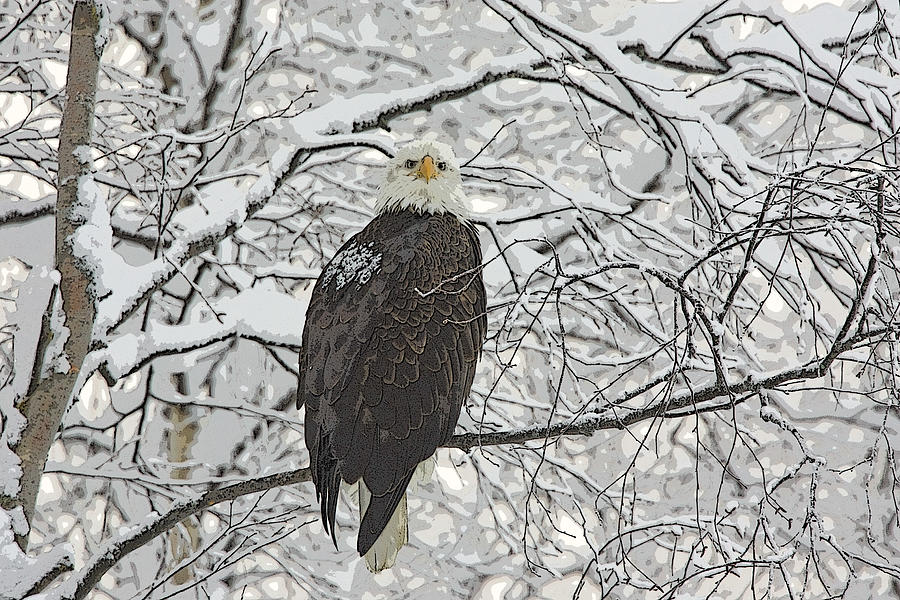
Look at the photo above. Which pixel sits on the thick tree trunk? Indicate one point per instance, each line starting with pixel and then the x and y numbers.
pixel 46 402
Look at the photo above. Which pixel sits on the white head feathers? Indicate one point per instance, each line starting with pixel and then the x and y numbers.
pixel 423 177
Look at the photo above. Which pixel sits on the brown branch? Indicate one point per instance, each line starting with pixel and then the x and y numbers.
pixel 45 404
pixel 63 566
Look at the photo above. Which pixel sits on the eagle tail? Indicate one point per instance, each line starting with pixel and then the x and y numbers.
pixel 380 552
pixel 383 552
pixel 326 476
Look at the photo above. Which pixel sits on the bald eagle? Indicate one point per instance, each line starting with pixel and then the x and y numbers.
pixel 392 338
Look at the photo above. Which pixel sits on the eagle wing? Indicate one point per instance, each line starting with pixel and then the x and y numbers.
pixel 393 335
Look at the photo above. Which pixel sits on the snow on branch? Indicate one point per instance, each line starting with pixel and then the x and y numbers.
pixel 200 227
pixel 367 111
pixel 675 405
pixel 18 211
pixel 649 97
pixel 268 317
pixel 801 45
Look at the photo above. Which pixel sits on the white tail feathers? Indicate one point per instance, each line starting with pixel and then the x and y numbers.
pixel 383 552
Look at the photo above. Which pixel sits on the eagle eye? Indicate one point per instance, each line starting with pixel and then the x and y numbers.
pixel 410 164
pixel 441 166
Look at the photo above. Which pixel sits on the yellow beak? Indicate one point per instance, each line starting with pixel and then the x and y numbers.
pixel 427 169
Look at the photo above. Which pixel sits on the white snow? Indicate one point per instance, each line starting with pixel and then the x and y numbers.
pixel 33 296
pixel 220 209
pixel 83 154
pixel 92 240
pixel 104 29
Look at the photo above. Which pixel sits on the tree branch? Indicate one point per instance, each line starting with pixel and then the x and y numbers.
pixel 45 404
pixel 612 418
pixel 384 117
pixel 104 560
pixel 24 211
pixel 621 417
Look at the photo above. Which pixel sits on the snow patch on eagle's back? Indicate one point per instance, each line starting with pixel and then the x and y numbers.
pixel 354 263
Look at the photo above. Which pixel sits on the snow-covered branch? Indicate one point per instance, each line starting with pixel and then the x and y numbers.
pixel 280 325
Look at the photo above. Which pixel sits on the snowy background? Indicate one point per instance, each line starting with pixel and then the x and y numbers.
pixel 689 217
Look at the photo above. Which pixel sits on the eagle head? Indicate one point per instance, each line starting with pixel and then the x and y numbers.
pixel 423 177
